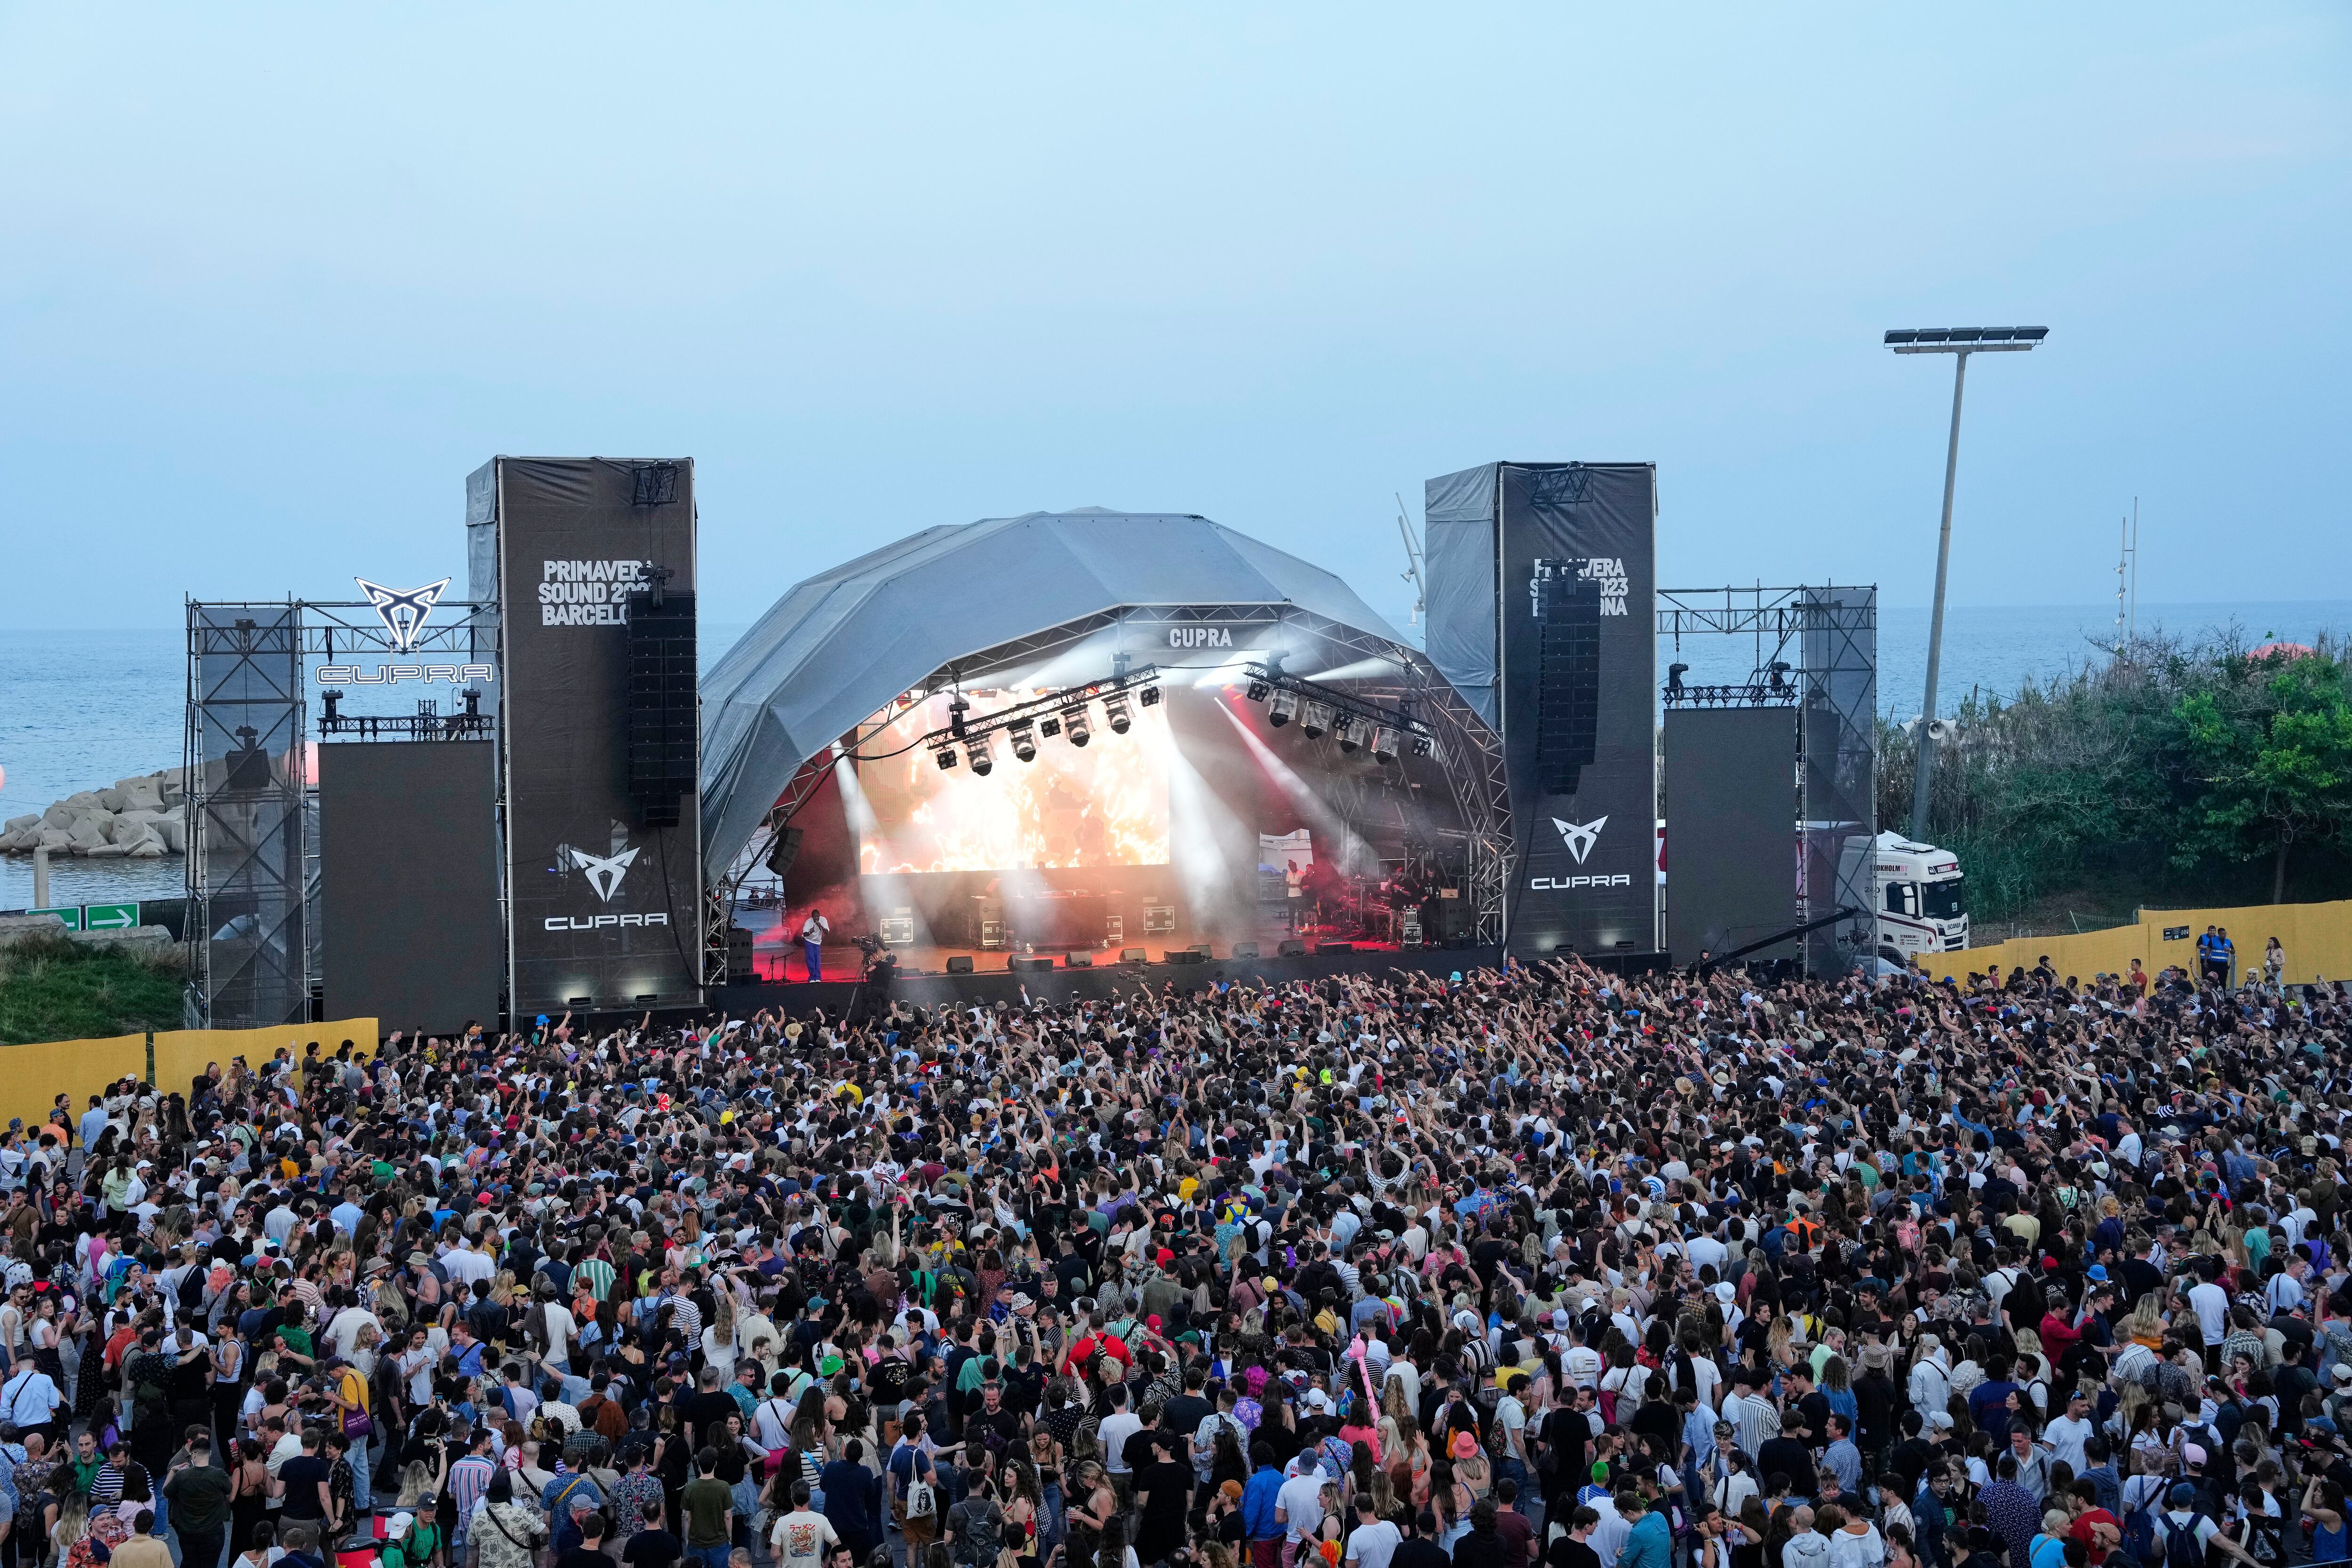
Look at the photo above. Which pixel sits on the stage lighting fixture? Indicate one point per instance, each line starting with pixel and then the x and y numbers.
pixel 1316 720
pixel 981 763
pixel 1347 732
pixel 1283 709
pixel 1114 712
pixel 1422 745
pixel 1073 724
pixel 1675 673
pixel 1024 742
pixel 1149 696
pixel 1384 743
pixel 1257 689
pixel 945 756
pixel 1049 727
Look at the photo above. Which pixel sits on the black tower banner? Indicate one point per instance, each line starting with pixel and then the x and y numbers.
pixel 603 879
pixel 1568 617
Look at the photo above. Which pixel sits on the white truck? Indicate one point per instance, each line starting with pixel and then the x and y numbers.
pixel 1918 893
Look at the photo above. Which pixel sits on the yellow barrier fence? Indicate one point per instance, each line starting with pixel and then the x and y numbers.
pixel 2317 940
pixel 33 1076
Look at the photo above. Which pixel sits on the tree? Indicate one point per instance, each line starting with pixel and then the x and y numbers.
pixel 2267 759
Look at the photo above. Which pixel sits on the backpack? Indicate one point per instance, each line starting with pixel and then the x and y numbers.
pixel 2180 1547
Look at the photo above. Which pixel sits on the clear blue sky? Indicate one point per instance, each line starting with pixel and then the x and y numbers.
pixel 277 276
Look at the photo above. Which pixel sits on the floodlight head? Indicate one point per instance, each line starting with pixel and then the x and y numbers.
pixel 1422 745
pixel 1149 696
pixel 1049 727
pixel 1257 689
pixel 1963 340
pixel 946 757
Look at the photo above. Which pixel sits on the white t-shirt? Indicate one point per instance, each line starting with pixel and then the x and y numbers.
pixel 1512 1416
pixel 1373 1544
pixel 2213 1305
pixel 1301 1500
pixel 800 1539
pixel 1113 1431
pixel 561 1328
pixel 2066 1437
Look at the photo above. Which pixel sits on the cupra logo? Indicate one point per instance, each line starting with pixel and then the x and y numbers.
pixel 404 615
pixel 1578 835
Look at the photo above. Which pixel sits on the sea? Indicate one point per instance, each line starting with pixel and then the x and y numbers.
pixel 79 710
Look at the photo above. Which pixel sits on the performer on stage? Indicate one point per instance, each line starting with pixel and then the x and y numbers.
pixel 813 934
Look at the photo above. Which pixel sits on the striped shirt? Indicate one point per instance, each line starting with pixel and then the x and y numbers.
pixel 469 1478
pixel 1756 1422
pixel 599 1275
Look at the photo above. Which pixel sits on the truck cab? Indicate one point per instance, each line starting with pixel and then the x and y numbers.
pixel 1919 895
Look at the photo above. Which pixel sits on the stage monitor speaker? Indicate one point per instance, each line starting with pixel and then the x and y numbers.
pixel 1335 947
pixel 665 717
pixel 1294 948
pixel 959 964
pixel 1183 955
pixel 1077 961
pixel 1027 965
pixel 1244 950
pixel 1131 955
pixel 784 851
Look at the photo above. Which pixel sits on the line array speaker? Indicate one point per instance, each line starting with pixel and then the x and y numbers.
pixel 664 721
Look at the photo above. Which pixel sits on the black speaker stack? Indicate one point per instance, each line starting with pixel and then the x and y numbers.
pixel 664 721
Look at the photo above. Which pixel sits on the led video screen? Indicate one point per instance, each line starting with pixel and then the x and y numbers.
pixel 1104 803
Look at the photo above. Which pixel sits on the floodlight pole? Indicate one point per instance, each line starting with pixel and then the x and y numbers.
pixel 1926 772
pixel 1959 342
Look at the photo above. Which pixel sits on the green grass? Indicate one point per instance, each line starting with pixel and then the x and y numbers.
pixel 59 989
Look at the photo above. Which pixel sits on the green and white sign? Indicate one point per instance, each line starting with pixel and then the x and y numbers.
pixel 72 916
pixel 109 917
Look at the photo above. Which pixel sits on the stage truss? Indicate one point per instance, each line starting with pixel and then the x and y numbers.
pixel 251 930
pixel 1469 754
pixel 1827 638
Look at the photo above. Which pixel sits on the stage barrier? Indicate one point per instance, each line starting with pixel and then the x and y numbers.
pixel 33 1076
pixel 2317 939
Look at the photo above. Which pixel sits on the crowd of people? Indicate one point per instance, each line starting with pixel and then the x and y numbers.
pixel 1536 1265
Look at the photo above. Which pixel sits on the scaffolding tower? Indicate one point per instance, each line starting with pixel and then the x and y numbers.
pixel 1819 648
